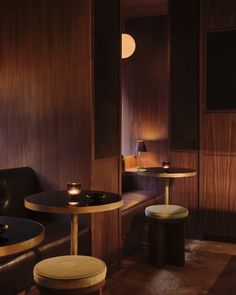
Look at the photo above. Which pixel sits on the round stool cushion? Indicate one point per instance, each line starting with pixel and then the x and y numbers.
pixel 69 272
pixel 166 212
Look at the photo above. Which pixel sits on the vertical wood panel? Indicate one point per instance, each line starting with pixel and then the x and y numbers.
pixel 184 111
pixel 105 175
pixel 45 88
pixel 145 89
pixel 184 191
pixel 218 196
pixel 106 77
pixel 218 14
pixel 106 227
pixel 217 155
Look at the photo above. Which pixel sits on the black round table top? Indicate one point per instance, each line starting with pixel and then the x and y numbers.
pixel 87 202
pixel 172 172
pixel 22 234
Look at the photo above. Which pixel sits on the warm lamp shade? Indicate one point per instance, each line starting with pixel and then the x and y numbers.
pixel 128 45
pixel 140 146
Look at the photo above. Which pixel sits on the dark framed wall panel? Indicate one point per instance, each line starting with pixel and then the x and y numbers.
pixel 220 67
pixel 106 123
pixel 106 31
pixel 184 22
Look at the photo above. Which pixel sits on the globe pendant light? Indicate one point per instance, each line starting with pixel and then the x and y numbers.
pixel 128 45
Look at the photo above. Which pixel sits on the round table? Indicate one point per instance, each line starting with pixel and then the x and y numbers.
pixel 22 235
pixel 88 202
pixel 172 172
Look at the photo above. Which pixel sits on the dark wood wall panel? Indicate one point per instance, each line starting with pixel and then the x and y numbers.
pixel 45 84
pixel 106 77
pixel 145 89
pixel 184 20
pixel 218 198
pixel 106 147
pixel 184 102
pixel 219 137
pixel 218 14
pixel 217 153
pixel 220 68
pixel 184 191
pixel 144 8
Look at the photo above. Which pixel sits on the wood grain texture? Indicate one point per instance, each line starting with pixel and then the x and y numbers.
pixel 106 161
pixel 184 21
pixel 45 89
pixel 106 68
pixel 145 90
pixel 106 227
pixel 217 14
pixel 218 196
pixel 184 192
pixel 217 134
pixel 144 8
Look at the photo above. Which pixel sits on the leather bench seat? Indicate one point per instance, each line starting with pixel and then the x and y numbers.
pixel 133 220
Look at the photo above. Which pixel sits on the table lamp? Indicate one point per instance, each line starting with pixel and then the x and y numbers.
pixel 140 147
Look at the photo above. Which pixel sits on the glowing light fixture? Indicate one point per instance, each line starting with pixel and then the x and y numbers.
pixel 128 45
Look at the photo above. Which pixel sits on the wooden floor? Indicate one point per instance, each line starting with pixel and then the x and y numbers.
pixel 203 264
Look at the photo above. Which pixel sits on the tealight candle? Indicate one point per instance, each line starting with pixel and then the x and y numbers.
pixel 166 165
pixel 73 189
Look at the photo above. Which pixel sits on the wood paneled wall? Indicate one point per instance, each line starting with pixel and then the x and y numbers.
pixel 216 161
pixel 45 89
pixel 106 160
pixel 185 191
pixel 48 108
pixel 184 119
pixel 144 8
pixel 184 111
pixel 218 144
pixel 145 89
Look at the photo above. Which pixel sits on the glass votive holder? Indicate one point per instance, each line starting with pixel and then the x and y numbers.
pixel 166 165
pixel 73 190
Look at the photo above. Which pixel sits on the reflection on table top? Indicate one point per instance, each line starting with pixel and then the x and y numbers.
pixel 88 202
pixel 172 172
pixel 22 235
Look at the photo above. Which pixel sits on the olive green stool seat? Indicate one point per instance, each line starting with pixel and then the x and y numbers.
pixel 71 274
pixel 166 234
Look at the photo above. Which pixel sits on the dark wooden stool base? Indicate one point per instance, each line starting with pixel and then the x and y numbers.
pixel 93 290
pixel 166 241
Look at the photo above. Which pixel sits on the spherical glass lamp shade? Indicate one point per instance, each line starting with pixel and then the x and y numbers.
pixel 128 45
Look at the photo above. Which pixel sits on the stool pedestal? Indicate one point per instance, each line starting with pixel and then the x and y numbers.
pixel 166 234
pixel 166 242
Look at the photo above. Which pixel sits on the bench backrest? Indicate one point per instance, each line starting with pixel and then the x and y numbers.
pixel 129 162
pixel 15 185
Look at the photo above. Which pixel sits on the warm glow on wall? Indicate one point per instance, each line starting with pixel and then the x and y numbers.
pixel 128 45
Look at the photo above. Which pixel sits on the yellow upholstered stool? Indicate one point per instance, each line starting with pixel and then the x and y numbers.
pixel 72 274
pixel 166 234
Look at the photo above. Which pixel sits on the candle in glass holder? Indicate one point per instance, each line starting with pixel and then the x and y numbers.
pixel 73 189
pixel 166 165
